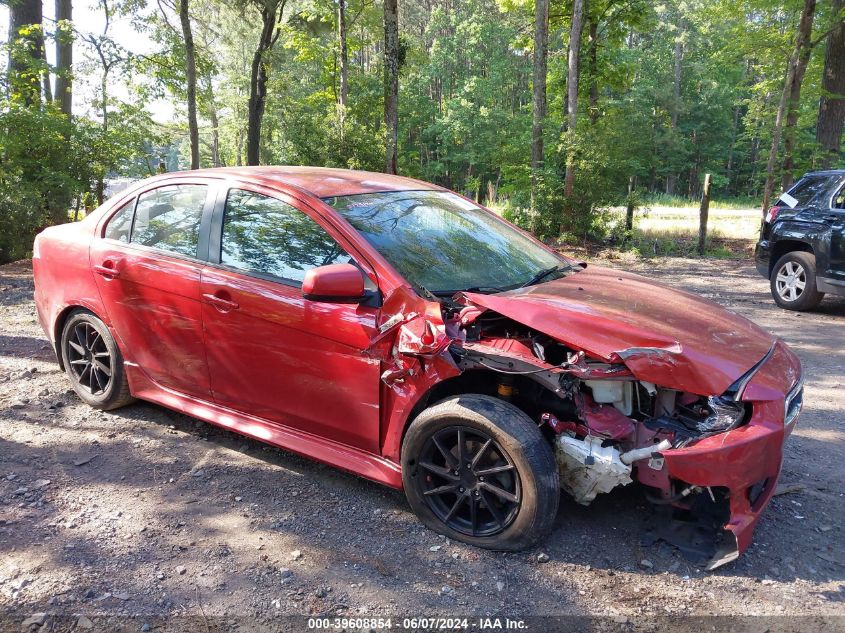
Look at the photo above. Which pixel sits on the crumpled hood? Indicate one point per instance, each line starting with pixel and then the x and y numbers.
pixel 666 336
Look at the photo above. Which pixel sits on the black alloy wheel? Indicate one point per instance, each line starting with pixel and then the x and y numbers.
pixel 469 482
pixel 93 362
pixel 88 358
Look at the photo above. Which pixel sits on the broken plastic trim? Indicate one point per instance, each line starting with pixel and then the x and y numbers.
pixel 728 551
pixel 738 388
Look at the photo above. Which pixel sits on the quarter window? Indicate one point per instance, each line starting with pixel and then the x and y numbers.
pixel 267 236
pixel 120 225
pixel 168 218
pixel 839 199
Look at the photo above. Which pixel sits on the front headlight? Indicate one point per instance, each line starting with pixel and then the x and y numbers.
pixel 793 402
pixel 725 414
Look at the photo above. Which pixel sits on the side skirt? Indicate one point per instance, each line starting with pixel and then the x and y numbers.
pixel 346 458
pixel 833 286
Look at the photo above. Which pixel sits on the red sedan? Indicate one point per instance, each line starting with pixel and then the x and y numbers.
pixel 399 331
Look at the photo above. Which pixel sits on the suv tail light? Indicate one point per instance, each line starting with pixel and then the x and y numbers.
pixel 772 214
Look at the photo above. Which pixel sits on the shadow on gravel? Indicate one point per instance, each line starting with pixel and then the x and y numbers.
pixel 26 347
pixel 345 527
pixel 194 475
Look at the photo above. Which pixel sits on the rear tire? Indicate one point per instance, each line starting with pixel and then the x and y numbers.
pixel 500 492
pixel 793 282
pixel 93 362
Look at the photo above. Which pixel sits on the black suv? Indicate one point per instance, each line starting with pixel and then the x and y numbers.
pixel 802 241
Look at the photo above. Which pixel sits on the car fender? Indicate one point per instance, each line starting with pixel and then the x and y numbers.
pixel 816 235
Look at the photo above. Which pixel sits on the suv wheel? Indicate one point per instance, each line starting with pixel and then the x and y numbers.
pixel 793 281
pixel 480 471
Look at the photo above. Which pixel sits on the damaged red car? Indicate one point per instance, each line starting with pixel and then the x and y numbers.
pixel 399 331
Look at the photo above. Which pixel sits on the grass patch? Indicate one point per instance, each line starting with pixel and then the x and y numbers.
pixel 681 202
pixel 673 231
pixel 670 231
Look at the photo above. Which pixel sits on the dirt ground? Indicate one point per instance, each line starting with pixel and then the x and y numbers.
pixel 143 515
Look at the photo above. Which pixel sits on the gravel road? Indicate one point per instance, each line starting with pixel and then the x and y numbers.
pixel 143 514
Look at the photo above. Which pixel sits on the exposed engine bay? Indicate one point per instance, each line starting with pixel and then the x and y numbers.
pixel 608 428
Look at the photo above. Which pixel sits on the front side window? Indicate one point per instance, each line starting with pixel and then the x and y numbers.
pixel 168 218
pixel 268 236
pixel 444 243
pixel 120 225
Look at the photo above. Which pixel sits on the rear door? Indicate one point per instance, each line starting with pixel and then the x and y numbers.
pixel 836 266
pixel 147 260
pixel 270 352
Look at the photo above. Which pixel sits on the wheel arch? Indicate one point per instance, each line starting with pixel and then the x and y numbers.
pixel 782 247
pixel 472 381
pixel 59 326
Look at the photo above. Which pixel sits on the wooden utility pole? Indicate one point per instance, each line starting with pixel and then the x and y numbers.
pixel 703 213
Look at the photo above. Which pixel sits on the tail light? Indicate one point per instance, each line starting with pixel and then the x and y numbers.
pixel 772 214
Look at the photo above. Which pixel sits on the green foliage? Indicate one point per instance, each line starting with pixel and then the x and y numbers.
pixel 39 173
pixel 465 103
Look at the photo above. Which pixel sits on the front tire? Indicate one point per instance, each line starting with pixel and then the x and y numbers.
pixel 479 470
pixel 93 362
pixel 793 282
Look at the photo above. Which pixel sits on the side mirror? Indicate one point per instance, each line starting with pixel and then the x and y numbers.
pixel 335 283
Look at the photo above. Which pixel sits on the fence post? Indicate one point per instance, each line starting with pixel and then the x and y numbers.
pixel 703 212
pixel 629 212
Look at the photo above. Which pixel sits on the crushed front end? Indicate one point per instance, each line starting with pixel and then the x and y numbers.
pixel 709 463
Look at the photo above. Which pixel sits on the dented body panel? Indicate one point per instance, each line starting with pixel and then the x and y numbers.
pixel 665 336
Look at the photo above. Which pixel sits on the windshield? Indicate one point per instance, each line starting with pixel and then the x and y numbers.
pixel 443 243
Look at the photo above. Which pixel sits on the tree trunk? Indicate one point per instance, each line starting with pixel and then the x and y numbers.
pixel 22 14
pixel 541 49
pixel 64 57
pixel 572 91
pixel 271 14
pixel 344 52
pixel 592 60
pixel 676 83
pixel 191 76
pixel 731 149
pixel 703 212
pixel 805 26
pixel 391 82
pixel 832 104
pixel 677 74
pixel 789 130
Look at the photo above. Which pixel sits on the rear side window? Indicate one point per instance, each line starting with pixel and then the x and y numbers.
pixel 168 218
pixel 120 225
pixel 805 190
pixel 267 236
pixel 839 199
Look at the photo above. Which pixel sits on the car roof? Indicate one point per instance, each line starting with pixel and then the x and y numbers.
pixel 322 182
pixel 826 172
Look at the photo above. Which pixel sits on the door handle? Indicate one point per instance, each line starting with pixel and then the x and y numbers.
pixel 107 269
pixel 221 303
